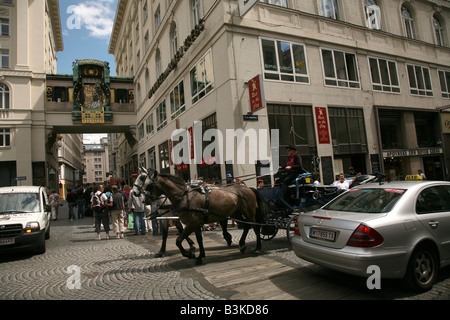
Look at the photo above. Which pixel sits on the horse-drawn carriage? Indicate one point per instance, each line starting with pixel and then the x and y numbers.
pixel 255 208
pixel 304 194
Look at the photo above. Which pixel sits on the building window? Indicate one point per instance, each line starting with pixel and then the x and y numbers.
pixel 329 9
pixel 201 75
pixel 340 69
pixel 384 75
pixel 145 12
pixel 419 80
pixel 373 14
pixel 157 18
pixel 164 157
pixel 281 3
pixel 4 55
pixel 5 138
pixel 438 31
pixel 4 96
pixel 161 116
pixel 177 105
pixel 295 124
pixel 284 61
pixel 149 126
pixel 444 79
pixel 158 63
pixel 347 130
pixel 408 23
pixel 196 11
pixel 141 131
pixel 173 39
pixel 4 27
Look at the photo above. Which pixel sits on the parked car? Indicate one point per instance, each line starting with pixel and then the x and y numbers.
pixel 401 227
pixel 24 218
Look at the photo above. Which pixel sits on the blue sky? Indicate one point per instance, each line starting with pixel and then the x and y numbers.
pixel 86 27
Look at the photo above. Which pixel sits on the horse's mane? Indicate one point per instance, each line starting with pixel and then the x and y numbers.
pixel 172 178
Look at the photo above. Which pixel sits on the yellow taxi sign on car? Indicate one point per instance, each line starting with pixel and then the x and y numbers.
pixel 413 177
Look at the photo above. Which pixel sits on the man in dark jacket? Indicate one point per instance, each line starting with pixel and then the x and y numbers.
pixel 293 168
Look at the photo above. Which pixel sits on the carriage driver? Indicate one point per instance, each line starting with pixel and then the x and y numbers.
pixel 293 168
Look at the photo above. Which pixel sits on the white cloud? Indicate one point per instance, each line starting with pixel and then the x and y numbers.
pixel 96 16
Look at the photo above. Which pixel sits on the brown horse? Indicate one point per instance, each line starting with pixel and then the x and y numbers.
pixel 198 206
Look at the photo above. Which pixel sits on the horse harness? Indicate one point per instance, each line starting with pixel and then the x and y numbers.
pixel 205 211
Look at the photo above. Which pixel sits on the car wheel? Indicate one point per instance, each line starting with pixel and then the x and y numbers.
pixel 422 269
pixel 40 248
pixel 47 233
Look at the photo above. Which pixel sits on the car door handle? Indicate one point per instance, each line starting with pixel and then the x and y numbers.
pixel 433 224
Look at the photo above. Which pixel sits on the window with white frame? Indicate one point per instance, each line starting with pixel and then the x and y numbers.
pixel 196 11
pixel 438 31
pixel 4 96
pixel 281 3
pixel 161 116
pixel 373 14
pixel 408 23
pixel 284 61
pixel 340 68
pixel 201 76
pixel 384 75
pixel 329 9
pixel 5 137
pixel 444 79
pixel 177 102
pixel 419 80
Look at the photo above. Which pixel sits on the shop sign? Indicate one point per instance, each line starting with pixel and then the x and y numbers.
pixel 256 91
pixel 411 152
pixel 322 125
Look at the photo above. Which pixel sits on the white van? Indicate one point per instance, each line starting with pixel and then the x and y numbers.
pixel 24 218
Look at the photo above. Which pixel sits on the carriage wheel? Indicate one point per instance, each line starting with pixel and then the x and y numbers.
pixel 290 227
pixel 268 232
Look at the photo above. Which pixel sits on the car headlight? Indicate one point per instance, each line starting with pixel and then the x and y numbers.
pixel 32 226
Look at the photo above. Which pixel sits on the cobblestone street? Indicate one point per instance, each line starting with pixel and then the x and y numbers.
pixel 127 270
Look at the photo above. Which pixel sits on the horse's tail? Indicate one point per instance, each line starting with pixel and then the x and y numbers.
pixel 263 210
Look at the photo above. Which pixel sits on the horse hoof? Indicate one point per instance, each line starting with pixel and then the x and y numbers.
pixel 229 242
pixel 242 249
pixel 199 261
pixel 159 255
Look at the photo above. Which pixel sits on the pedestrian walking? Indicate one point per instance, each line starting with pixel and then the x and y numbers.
pixel 101 214
pixel 117 213
pixel 80 201
pixel 54 203
pixel 72 201
pixel 137 206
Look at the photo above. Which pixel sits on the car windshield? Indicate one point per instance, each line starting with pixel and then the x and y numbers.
pixel 19 203
pixel 374 200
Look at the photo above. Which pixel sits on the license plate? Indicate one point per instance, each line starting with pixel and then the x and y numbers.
pixel 5 242
pixel 322 234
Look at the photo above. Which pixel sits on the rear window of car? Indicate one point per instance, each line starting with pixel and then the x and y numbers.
pixel 366 200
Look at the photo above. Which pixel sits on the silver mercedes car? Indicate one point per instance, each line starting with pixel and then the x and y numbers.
pixel 403 228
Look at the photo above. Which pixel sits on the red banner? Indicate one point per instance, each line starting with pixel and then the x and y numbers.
pixel 256 91
pixel 322 125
